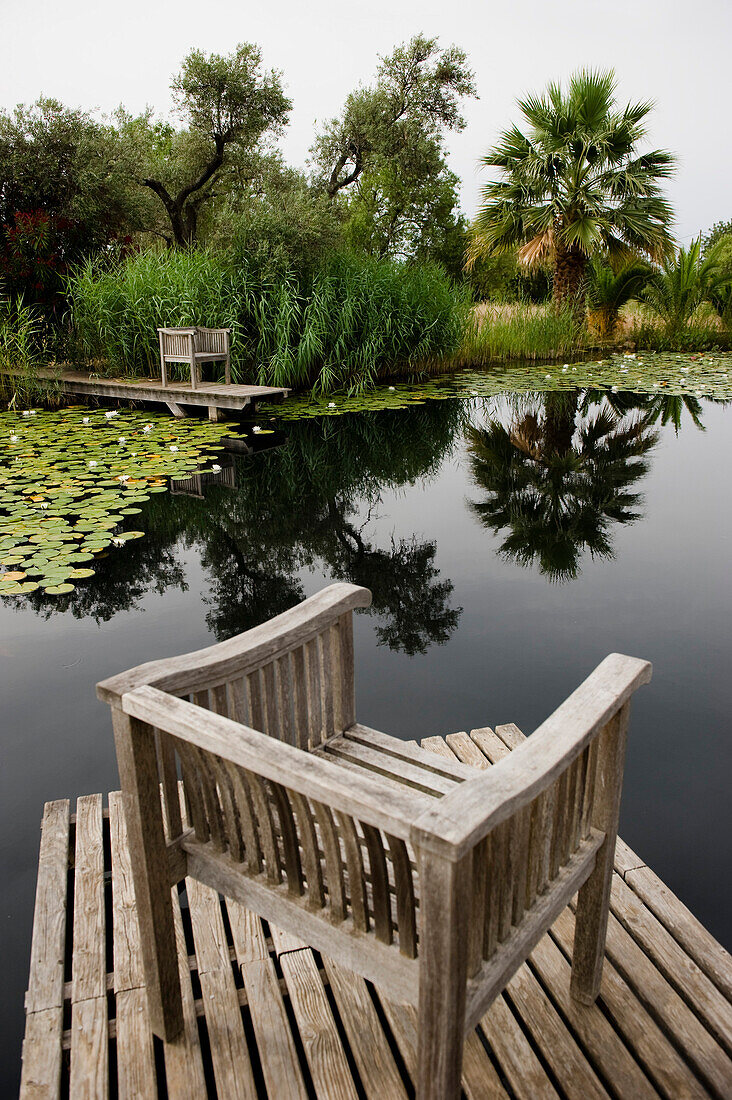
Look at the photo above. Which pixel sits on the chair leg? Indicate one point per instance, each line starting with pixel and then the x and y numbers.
pixel 443 967
pixel 137 760
pixel 193 372
pixel 593 901
pixel 227 370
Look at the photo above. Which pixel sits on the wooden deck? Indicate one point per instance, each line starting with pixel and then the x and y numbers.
pixel 267 1016
pixel 217 397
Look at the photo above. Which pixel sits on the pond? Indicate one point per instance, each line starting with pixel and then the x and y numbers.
pixel 510 543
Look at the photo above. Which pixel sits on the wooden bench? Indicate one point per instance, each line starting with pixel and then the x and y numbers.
pixel 406 868
pixel 194 346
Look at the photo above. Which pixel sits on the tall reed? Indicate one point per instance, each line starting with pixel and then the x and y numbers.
pixel 21 335
pixel 354 320
pixel 519 330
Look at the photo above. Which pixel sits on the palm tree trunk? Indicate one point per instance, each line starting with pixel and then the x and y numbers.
pixel 569 278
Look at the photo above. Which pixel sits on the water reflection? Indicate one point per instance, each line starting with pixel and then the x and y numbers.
pixel 556 472
pixel 558 475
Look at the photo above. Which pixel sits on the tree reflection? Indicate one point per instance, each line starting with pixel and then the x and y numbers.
pixel 557 478
pixel 312 503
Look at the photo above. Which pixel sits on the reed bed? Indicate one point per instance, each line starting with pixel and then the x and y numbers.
pixel 499 331
pixel 354 320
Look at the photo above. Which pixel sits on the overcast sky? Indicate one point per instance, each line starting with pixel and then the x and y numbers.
pixel 97 54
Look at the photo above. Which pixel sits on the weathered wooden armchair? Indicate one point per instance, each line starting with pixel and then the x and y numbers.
pixel 430 879
pixel 194 346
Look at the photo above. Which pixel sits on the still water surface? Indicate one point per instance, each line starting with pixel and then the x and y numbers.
pixel 509 547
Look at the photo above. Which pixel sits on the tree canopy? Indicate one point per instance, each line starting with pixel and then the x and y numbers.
pixel 230 106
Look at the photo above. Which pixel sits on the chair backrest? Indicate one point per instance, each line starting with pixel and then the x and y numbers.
pixel 176 343
pixel 212 340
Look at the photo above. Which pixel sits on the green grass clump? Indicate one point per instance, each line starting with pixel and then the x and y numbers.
pixel 520 330
pixel 20 355
pixel 354 320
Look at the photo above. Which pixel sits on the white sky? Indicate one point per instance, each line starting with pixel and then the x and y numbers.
pixel 97 54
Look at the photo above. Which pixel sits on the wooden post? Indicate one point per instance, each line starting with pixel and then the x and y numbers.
pixel 227 368
pixel 443 963
pixel 163 367
pixel 136 758
pixel 192 339
pixel 593 901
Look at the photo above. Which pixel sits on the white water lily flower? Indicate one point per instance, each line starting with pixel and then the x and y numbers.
pixel 256 428
pixel 92 463
pixel 614 389
pixel 118 542
pixel 392 387
pixel 547 375
pixel 13 439
pixel 43 506
pixel 331 404
pixel 174 449
pixel 122 439
pixel 565 368
pixel 85 420
pixel 123 477
pixel 110 413
pixel 148 428
pixel 215 469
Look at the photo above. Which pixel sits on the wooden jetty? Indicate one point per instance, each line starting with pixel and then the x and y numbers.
pixel 220 399
pixel 266 1016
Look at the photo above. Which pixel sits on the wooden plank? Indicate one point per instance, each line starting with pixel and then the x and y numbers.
pixel 369 1046
pixel 479 1078
pixel 276 1046
pixel 135 1055
pixel 42 1052
pixel 250 942
pixel 371 759
pixel 466 750
pixel 650 1045
pixel 523 1070
pixel 229 1053
pixel 184 1074
pixel 553 1038
pixel 89 1046
pixel 89 1071
pixel 136 1076
pixel 412 753
pixel 320 1039
pixel 699 944
pixel 46 979
pixel 593 1030
pixel 285 941
pixel 489 744
pixel 668 957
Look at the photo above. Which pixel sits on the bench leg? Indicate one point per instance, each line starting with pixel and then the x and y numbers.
pixel 193 372
pixel 443 968
pixel 593 900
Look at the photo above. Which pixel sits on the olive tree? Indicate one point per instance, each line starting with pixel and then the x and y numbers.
pixel 230 106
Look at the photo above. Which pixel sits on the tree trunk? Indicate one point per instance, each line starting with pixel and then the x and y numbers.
pixel 569 279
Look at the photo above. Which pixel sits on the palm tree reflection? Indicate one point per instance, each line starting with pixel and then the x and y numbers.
pixel 557 478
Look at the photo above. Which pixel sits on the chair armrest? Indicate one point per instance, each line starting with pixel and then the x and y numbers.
pixel 464 817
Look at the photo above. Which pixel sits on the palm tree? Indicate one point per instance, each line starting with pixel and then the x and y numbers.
pixel 574 184
pixel 684 282
pixel 609 290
